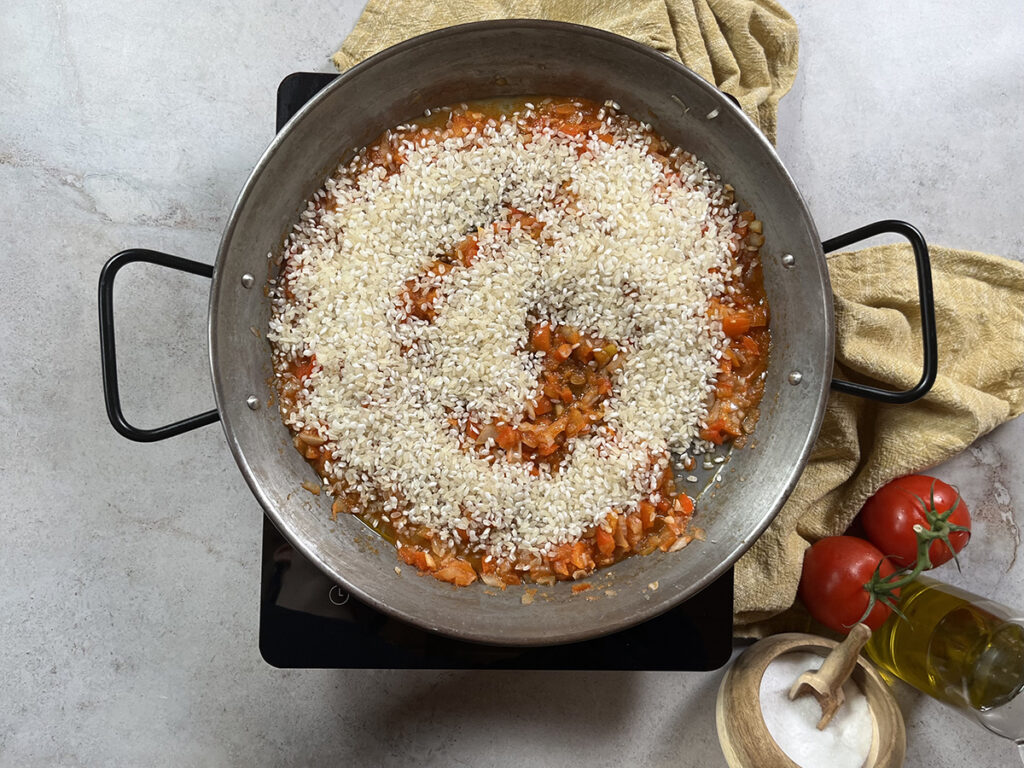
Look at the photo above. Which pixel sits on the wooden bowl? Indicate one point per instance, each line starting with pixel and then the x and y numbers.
pixel 743 734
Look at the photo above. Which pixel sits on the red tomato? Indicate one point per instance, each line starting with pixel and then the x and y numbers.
pixel 835 573
pixel 890 515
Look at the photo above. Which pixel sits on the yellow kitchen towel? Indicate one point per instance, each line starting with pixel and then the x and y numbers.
pixel 979 316
pixel 748 48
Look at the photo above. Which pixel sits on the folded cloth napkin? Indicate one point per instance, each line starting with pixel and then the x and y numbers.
pixel 748 48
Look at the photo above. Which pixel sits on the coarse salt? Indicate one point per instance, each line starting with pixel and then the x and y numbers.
pixel 793 724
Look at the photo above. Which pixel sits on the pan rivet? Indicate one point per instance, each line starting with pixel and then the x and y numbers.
pixel 254 402
pixel 796 377
pixel 788 260
pixel 248 281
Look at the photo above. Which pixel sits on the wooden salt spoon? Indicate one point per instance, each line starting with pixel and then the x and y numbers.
pixel 826 683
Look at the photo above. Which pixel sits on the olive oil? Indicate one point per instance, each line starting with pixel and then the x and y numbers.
pixel 955 646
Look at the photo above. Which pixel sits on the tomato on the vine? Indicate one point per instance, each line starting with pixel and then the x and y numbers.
pixel 890 515
pixel 832 586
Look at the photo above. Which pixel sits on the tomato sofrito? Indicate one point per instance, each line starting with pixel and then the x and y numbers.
pixel 578 374
pixel 744 317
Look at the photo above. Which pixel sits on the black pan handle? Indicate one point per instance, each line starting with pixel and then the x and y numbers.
pixel 108 355
pixel 926 300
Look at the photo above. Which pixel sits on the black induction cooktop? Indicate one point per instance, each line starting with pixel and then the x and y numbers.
pixel 307 620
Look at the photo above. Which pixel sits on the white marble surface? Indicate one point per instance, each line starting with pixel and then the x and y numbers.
pixel 128 573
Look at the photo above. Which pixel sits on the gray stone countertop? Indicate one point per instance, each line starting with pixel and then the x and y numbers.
pixel 129 573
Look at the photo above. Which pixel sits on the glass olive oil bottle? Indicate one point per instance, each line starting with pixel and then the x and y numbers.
pixel 961 649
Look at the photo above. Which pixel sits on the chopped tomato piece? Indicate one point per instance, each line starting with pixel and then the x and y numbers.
pixel 562 352
pixel 577 421
pixel 713 433
pixel 413 556
pixel 647 510
pixel 580 557
pixel 575 129
pixel 561 559
pixel 736 324
pixel 507 437
pixel 527 222
pixel 457 572
pixel 553 390
pixel 540 337
pixel 467 251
